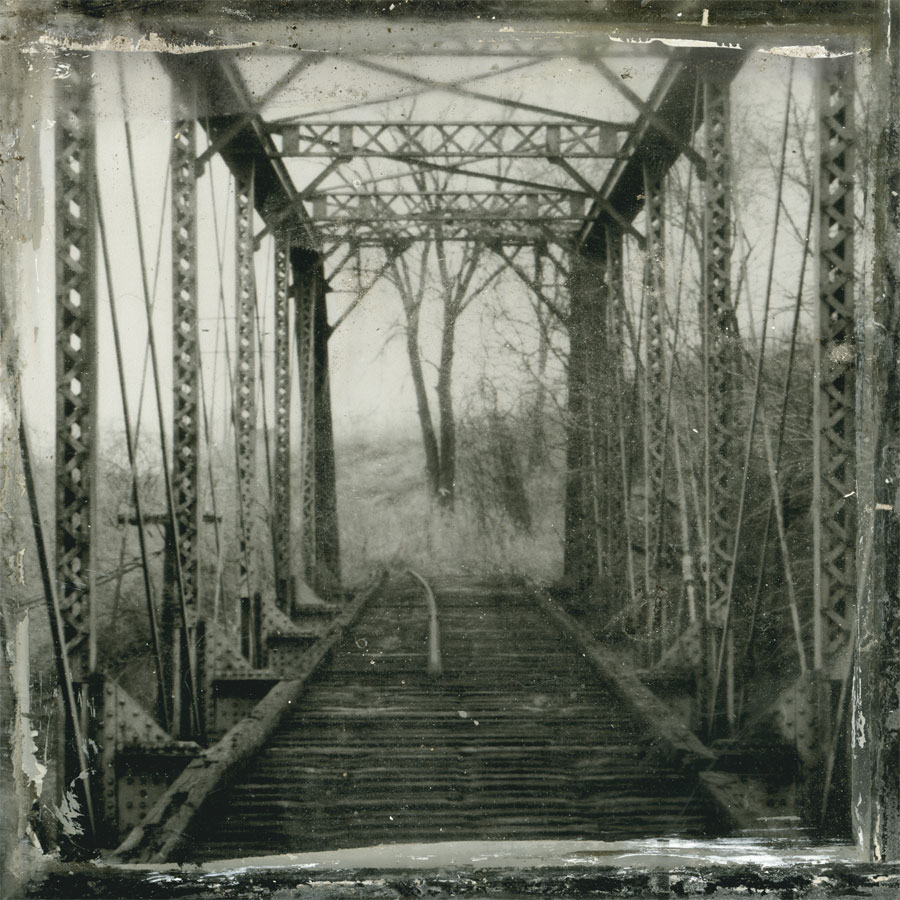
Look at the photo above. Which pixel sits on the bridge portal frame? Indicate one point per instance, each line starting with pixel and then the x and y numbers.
pixel 82 346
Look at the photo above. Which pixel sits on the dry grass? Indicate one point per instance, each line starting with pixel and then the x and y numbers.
pixel 386 516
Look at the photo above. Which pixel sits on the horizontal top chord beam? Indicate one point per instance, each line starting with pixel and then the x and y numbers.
pixel 505 233
pixel 449 140
pixel 446 206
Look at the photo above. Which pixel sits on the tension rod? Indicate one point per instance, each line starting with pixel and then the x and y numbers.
pixel 163 702
pixel 167 478
pixel 57 629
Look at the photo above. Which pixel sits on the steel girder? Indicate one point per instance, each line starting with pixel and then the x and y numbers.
pixel 720 337
pixel 281 468
pixel 647 148
pixel 592 350
pixel 381 218
pixel 448 140
pixel 305 306
pixel 245 416
pixel 186 360
pixel 319 537
pixel 76 360
pixel 507 234
pixel 579 559
pixel 76 422
pixel 178 652
pixel 446 206
pixel 834 397
pixel 597 541
pixel 222 101
pixel 328 569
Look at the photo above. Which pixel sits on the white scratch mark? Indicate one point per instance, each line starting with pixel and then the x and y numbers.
pixel 150 43
pixel 805 51
pixel 675 42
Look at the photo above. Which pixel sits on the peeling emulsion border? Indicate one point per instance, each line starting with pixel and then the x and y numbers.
pixel 34 33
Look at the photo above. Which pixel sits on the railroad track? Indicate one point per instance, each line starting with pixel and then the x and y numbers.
pixel 518 738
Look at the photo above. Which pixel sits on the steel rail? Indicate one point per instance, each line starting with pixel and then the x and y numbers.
pixel 166 826
pixel 435 668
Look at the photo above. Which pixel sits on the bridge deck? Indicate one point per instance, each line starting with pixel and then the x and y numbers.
pixel 517 740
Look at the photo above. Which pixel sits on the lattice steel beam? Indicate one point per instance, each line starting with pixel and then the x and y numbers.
pixel 186 360
pixel 448 140
pixel 245 410
pixel 654 388
pixel 834 481
pixel 454 206
pixel 511 234
pixel 720 333
pixel 281 470
pixel 76 359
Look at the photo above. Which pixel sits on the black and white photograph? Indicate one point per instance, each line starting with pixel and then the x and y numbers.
pixel 450 448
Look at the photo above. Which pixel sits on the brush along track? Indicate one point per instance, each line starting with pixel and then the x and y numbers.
pixel 517 740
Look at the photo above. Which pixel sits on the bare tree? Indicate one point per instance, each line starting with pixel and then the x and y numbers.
pixel 456 288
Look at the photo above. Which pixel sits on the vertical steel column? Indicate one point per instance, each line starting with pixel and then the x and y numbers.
pixel 281 474
pixel 305 311
pixel 185 356
pixel 720 335
pixel 186 423
pixel 621 554
pixel 76 360
pixel 327 544
pixel 584 454
pixel 76 412
pixel 654 395
pixel 319 535
pixel 834 383
pixel 721 354
pixel 537 450
pixel 574 527
pixel 245 412
pixel 578 555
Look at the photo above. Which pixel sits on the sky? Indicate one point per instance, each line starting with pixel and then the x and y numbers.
pixel 371 387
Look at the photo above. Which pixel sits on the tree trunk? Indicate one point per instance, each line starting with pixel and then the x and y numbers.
pixel 447 472
pixel 429 439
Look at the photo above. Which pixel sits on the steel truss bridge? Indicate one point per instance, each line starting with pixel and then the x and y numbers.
pixel 224 687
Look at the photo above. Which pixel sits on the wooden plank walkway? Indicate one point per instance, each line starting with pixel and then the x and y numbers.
pixel 519 739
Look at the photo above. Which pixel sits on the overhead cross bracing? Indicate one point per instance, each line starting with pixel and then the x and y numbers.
pixel 369 218
pixel 502 147
pixel 450 140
